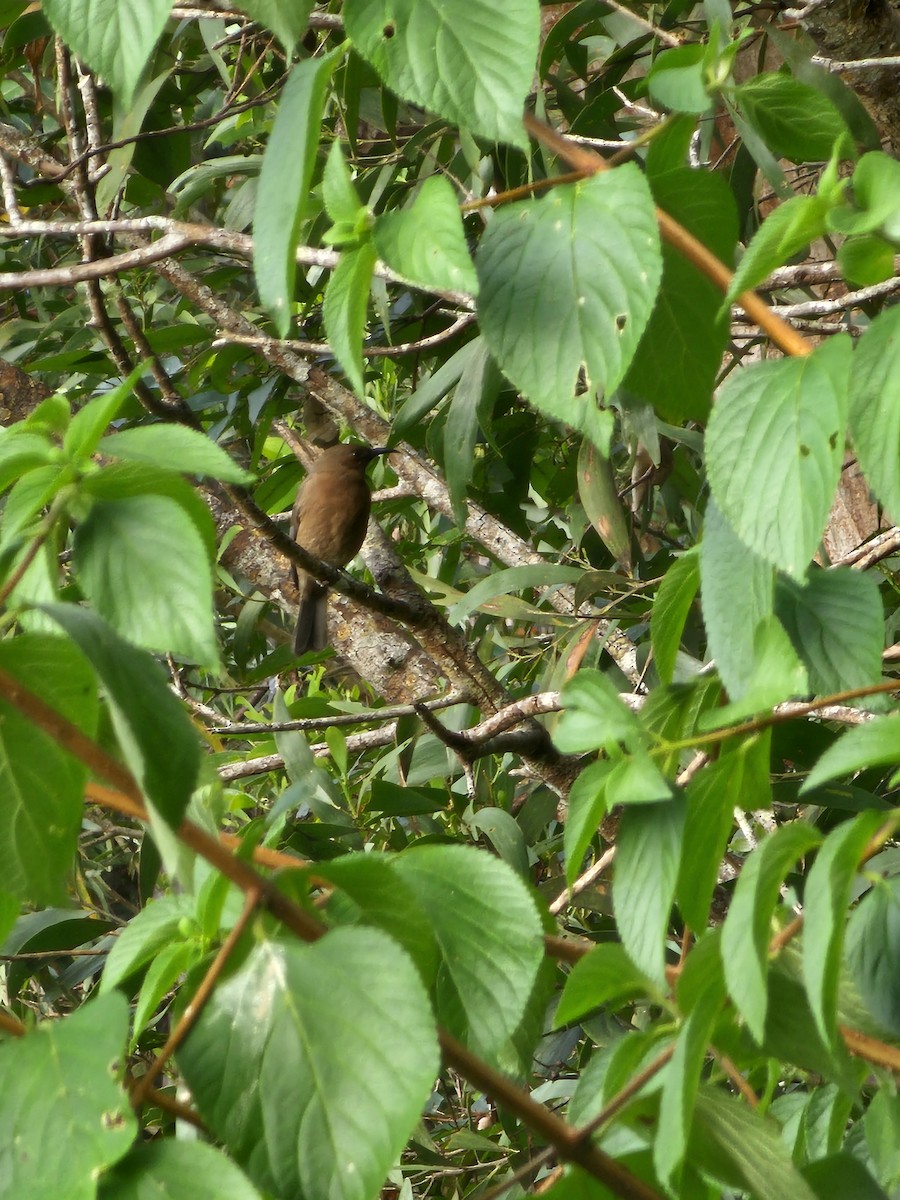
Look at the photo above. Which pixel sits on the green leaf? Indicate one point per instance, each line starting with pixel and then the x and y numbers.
pixel 826 899
pixel 873 952
pixel 176 1170
pixel 114 37
pixel 425 242
pixel 677 79
pixel 748 926
pixel 145 934
pixel 866 259
pixel 676 364
pixel 875 744
pixel 594 716
pixel 433 390
pixel 342 202
pixel 480 376
pixel 489 935
pixel 604 978
pixel 41 786
pixel 791 1035
pixel 512 579
pixel 446 57
pixel 170 964
pixel 64 1116
pixel 599 494
pixel 567 286
pixel 143 565
pixel 680 1084
pixel 28 498
pixel 712 796
pixel 156 738
pixel 730 1134
pixel 671 606
pixel 91 421
pixel 22 451
pixel 636 779
pixel 49 929
pixel 381 898
pixel 288 21
pixel 795 120
pixel 778 674
pixel 174 447
pixel 587 807
pixel 875 183
pixel 841 1175
pixel 737 589
pixel 785 231
pixel 505 835
pixel 775 447
pixel 344 309
pixel 331 1054
pixel 284 185
pixel 796 53
pixel 117 481
pixel 648 848
pixel 395 801
pixel 882 1123
pixel 50 418
pixel 836 623
pixel 874 412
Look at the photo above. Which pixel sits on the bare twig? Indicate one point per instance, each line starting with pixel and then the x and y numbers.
pixel 583 882
pixel 8 183
pixel 821 308
pixel 247 729
pixel 836 65
pixel 425 343
pixel 883 545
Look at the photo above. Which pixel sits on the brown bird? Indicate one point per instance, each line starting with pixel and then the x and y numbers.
pixel 329 520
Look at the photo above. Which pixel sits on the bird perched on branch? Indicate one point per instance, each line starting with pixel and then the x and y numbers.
pixel 329 520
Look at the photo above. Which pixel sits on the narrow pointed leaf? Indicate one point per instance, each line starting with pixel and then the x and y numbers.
pixel 344 309
pixel 826 900
pixel 284 185
pixel 748 926
pixel 648 847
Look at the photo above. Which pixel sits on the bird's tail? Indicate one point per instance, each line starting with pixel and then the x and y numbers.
pixel 311 630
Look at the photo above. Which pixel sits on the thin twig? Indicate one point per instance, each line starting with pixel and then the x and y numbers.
pixel 306 724
pixel 8 183
pixel 425 343
pixel 823 308
pixel 583 882
pixel 836 65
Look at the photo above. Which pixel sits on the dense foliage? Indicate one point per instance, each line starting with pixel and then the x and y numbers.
pixel 574 867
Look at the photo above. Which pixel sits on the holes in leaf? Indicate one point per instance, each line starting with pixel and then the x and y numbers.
pixel 621 321
pixel 804 451
pixel 389 30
